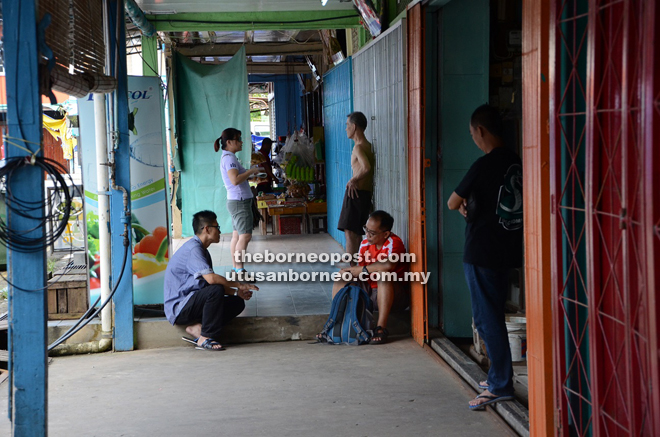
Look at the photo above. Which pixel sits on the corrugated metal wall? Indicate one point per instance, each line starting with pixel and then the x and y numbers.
pixel 337 103
pixel 379 92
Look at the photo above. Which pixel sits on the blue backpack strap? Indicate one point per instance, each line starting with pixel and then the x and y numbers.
pixel 334 315
pixel 339 331
pixel 359 303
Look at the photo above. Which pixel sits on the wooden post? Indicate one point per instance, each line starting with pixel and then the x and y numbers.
pixel 536 174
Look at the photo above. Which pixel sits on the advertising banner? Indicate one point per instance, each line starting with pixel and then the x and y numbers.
pixel 149 225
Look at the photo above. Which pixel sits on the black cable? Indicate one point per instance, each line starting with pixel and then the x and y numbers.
pixel 78 326
pixel 20 240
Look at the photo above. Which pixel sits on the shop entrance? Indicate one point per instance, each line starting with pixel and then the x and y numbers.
pixel 468 69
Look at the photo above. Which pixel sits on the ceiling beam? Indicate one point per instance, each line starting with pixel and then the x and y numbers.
pixel 277 68
pixel 243 21
pixel 257 49
pixel 272 67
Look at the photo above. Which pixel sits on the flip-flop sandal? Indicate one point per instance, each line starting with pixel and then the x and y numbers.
pixel 320 338
pixel 491 400
pixel 190 340
pixel 381 333
pixel 483 385
pixel 208 346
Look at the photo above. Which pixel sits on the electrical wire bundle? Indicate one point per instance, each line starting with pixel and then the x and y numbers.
pixel 21 240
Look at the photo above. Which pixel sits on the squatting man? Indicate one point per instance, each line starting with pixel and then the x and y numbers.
pixel 195 296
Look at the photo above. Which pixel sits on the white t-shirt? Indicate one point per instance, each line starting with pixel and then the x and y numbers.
pixel 234 192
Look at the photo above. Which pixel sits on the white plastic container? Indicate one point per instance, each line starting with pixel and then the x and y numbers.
pixel 516 327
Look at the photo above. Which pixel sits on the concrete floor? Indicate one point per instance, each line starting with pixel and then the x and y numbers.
pixel 281 298
pixel 266 389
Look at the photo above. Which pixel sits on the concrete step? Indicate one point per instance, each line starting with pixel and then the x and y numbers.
pixel 513 412
pixel 156 332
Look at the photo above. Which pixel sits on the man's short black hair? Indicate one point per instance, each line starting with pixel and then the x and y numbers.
pixel 201 219
pixel 386 221
pixel 489 118
pixel 358 119
pixel 266 143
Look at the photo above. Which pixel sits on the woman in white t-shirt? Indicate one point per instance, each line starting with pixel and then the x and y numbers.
pixel 239 195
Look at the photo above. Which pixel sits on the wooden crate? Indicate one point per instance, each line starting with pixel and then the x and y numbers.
pixel 67 298
pixel 290 224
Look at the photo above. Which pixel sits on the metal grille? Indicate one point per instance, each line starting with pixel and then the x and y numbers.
pixel 604 332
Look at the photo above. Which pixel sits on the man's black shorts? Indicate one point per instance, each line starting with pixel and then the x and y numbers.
pixel 355 212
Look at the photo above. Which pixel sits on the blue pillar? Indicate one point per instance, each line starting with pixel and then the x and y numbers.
pixel 27 309
pixel 123 298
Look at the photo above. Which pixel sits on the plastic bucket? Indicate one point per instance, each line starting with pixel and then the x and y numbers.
pixel 517 329
pixel 479 345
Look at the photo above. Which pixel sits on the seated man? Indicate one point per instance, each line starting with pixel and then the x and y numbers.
pixel 195 296
pixel 374 258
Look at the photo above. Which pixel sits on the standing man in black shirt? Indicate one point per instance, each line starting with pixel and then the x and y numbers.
pixel 490 199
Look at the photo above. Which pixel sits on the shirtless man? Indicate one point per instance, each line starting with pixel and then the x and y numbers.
pixel 357 199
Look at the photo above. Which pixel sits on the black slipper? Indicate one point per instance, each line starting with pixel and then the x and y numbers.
pixel 491 400
pixel 380 333
pixel 208 346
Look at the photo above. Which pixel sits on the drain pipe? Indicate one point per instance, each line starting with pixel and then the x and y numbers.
pixel 137 17
pixel 104 210
pixel 90 347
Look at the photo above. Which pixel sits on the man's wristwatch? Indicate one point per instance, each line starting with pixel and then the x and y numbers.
pixel 364 269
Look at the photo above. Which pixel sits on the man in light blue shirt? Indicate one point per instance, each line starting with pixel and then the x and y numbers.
pixel 197 297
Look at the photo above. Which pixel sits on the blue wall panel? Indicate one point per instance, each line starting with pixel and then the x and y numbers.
pixel 288 112
pixel 337 103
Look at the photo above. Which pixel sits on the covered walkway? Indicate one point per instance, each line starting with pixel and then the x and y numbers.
pixel 264 389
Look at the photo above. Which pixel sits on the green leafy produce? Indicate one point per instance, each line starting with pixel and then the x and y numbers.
pixel 93 225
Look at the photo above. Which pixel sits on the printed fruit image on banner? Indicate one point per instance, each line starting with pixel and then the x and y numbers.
pixel 149 222
pixel 150 252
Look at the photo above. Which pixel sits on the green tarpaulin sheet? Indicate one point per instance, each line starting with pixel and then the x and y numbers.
pixel 208 99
